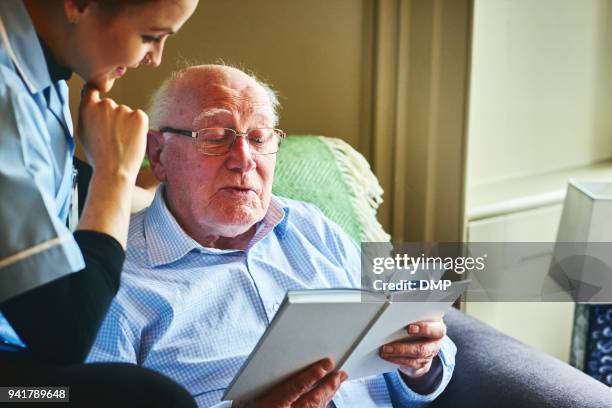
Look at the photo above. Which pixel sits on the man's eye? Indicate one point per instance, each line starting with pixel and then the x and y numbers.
pixel 150 38
pixel 215 136
pixel 216 140
pixel 259 136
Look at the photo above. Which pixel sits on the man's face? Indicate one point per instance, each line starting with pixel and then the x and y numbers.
pixel 218 195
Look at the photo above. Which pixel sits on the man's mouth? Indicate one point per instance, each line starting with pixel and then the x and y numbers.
pixel 238 190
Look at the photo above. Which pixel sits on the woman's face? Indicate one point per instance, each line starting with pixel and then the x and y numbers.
pixel 106 45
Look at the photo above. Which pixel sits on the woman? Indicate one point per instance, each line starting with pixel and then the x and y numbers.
pixel 55 286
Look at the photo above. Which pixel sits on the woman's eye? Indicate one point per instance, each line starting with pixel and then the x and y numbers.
pixel 150 39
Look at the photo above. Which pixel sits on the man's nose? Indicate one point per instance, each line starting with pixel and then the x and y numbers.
pixel 240 157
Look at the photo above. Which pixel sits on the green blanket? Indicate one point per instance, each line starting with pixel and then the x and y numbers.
pixel 333 176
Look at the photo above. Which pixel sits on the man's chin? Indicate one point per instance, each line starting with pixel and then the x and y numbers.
pixel 238 222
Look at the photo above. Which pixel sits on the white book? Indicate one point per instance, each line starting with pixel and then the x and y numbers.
pixel 348 325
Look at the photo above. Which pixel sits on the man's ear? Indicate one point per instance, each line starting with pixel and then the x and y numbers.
pixel 155 146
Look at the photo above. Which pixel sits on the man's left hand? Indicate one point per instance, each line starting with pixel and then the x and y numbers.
pixel 415 354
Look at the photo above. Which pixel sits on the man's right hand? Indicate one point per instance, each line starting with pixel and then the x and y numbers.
pixel 113 136
pixel 313 387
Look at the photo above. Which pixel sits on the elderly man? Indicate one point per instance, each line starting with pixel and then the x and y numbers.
pixel 211 259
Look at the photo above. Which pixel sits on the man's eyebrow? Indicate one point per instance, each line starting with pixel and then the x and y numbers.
pixel 209 113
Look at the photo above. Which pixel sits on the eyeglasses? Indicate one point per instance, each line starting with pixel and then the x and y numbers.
pixel 219 141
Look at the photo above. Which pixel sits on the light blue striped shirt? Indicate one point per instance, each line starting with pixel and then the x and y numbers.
pixel 195 313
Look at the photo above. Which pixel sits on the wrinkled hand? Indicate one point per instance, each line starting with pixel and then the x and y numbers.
pixel 313 387
pixel 415 354
pixel 113 136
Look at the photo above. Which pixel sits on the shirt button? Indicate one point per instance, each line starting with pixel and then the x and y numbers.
pixel 275 307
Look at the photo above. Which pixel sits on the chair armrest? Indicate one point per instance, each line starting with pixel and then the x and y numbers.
pixel 495 370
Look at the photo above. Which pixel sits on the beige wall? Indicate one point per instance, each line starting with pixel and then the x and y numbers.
pixel 391 78
pixel 309 51
pixel 541 89
pixel 539 105
pixel 388 76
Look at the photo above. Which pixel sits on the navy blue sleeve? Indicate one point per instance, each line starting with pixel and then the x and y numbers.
pixel 59 320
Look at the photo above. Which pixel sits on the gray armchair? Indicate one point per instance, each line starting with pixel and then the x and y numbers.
pixel 492 370
pixel 495 370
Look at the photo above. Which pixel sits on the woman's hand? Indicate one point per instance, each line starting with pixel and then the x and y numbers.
pixel 113 136
pixel 114 139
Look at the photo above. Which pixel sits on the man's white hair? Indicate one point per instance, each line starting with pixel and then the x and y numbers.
pixel 162 99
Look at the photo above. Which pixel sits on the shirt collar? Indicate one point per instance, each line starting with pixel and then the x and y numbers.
pixel 22 45
pixel 167 242
pixel 275 219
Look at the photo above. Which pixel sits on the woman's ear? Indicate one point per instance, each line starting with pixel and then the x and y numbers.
pixel 155 146
pixel 74 10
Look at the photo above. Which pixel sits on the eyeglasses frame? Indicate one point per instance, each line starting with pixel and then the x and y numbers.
pixel 194 135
